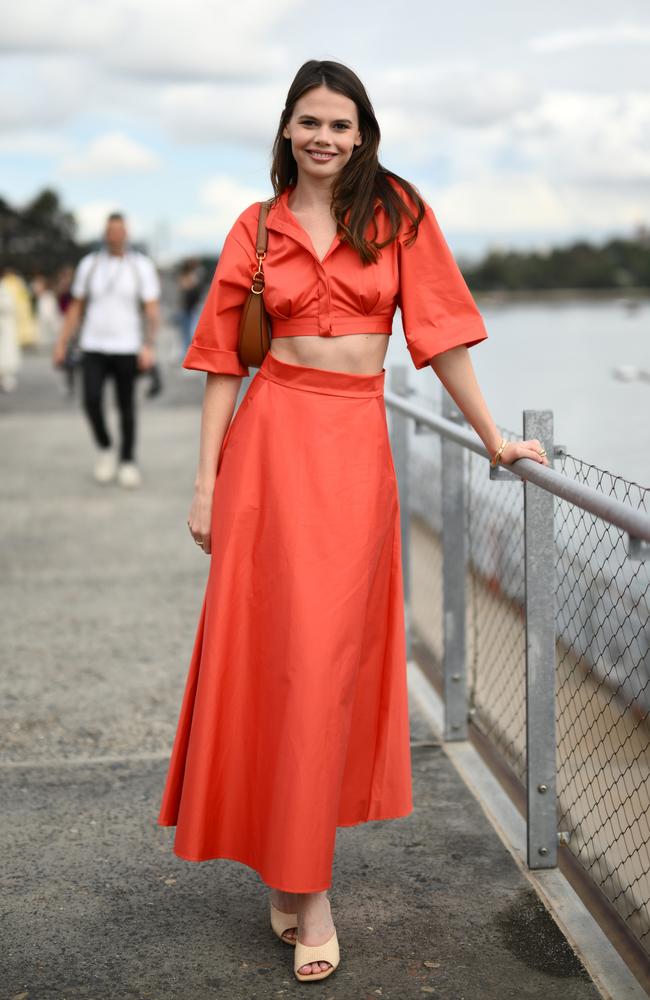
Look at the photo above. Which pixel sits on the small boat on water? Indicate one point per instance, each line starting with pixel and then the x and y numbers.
pixel 631 373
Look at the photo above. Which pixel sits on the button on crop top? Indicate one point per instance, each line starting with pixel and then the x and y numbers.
pixel 339 294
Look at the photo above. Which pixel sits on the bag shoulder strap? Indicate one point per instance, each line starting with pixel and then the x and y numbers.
pixel 262 231
pixel 135 270
pixel 89 276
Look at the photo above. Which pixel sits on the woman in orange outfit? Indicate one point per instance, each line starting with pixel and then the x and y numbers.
pixel 294 719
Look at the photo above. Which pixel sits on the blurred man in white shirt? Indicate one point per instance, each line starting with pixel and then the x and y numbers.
pixel 116 298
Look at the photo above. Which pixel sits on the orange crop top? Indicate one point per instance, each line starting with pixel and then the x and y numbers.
pixel 339 294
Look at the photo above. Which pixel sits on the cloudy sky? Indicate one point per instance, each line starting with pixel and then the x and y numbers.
pixel 523 124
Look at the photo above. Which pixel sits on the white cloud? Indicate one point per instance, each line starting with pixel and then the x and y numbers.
pixel 508 203
pixel 205 112
pixel 590 137
pixel 619 33
pixel 58 25
pixel 222 199
pixel 567 136
pixel 194 51
pixel 41 93
pixel 158 38
pixel 482 98
pixel 498 203
pixel 36 143
pixel 507 130
pixel 91 217
pixel 112 153
pixel 454 117
pixel 463 94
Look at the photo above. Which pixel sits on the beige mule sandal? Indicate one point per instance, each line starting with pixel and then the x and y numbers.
pixel 281 922
pixel 327 952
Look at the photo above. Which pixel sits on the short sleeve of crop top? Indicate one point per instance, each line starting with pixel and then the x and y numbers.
pixel 216 335
pixel 438 311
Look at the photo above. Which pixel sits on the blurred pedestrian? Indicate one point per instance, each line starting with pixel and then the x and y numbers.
pixel 190 289
pixel 10 354
pixel 23 308
pixel 115 293
pixel 48 314
pixel 72 359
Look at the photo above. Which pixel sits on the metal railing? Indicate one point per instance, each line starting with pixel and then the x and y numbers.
pixel 529 588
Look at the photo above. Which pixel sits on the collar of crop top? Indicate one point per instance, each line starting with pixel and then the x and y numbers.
pixel 281 219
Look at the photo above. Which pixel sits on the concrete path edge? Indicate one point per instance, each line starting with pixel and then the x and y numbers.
pixel 610 974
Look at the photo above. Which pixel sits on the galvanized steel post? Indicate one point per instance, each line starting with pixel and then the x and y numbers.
pixel 539 535
pixel 453 579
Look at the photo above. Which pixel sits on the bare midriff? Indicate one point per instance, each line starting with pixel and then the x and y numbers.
pixel 356 353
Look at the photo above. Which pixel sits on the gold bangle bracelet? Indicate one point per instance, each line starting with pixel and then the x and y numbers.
pixel 496 458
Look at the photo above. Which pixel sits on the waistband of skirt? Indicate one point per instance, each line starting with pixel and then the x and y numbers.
pixel 321 379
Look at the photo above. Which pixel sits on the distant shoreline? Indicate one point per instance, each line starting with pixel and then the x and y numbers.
pixel 625 295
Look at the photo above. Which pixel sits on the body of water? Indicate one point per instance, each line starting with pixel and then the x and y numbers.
pixel 562 354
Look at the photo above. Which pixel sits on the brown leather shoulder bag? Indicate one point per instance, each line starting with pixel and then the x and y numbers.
pixel 255 323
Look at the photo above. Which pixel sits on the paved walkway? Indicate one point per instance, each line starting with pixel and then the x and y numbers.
pixel 101 590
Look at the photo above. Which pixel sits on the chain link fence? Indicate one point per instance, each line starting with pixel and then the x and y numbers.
pixel 603 697
pixel 602 605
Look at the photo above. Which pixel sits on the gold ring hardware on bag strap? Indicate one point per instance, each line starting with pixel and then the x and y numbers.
pixel 258 277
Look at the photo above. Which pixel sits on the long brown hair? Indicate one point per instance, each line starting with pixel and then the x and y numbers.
pixel 363 178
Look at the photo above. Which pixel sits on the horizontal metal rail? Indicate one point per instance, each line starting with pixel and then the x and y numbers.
pixel 635 522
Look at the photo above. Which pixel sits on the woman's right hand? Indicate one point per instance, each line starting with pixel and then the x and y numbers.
pixel 200 518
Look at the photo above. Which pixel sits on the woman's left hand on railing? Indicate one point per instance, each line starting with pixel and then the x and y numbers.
pixel 524 449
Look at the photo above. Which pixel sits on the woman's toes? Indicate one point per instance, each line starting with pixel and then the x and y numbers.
pixel 313 967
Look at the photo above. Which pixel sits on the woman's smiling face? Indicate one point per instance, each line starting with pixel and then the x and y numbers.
pixel 326 122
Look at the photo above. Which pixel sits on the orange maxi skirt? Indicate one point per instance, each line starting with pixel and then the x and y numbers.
pixel 294 718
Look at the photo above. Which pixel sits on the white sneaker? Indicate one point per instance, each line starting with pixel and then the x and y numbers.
pixel 8 382
pixel 128 475
pixel 105 465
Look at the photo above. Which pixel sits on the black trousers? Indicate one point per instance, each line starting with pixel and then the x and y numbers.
pixel 96 367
